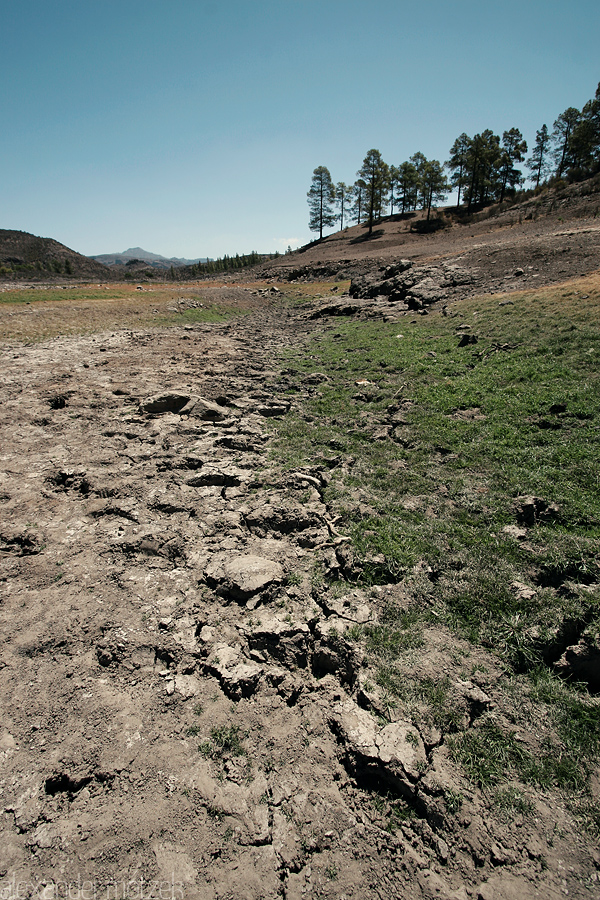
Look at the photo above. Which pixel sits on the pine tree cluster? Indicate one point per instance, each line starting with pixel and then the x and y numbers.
pixel 223 264
pixel 482 169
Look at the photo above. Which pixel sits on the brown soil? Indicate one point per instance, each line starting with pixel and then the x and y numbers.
pixel 182 715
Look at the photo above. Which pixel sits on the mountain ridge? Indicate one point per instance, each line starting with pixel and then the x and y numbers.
pixel 138 253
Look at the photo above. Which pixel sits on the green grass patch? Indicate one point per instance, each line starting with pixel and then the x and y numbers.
pixel 56 294
pixel 431 449
pixel 437 443
pixel 225 740
pixel 210 314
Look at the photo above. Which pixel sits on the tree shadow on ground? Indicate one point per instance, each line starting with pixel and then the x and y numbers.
pixel 424 226
pixel 367 237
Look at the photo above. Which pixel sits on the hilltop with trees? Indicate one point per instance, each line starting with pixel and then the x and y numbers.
pixel 27 256
pixel 482 169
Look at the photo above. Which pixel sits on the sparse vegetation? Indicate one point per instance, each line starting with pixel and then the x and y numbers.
pixel 38 314
pixel 224 740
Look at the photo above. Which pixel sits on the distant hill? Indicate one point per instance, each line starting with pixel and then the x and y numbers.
pixel 138 255
pixel 26 256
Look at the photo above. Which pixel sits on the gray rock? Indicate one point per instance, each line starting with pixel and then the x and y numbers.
pixel 211 476
pixel 394 755
pixel 242 576
pixel 285 520
pixel 417 286
pixel 351 607
pixel 315 378
pixel 273 408
pixel 286 642
pixel 238 677
pixel 163 403
pixel 207 411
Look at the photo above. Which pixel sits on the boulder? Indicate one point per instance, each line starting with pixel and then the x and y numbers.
pixel 211 476
pixel 163 403
pixel 238 677
pixel 207 411
pixel 241 577
pixel 287 642
pixel 283 519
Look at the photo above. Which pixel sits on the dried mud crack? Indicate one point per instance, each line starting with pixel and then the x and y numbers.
pixel 182 705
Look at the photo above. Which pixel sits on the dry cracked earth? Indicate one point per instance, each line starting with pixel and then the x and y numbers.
pixel 184 714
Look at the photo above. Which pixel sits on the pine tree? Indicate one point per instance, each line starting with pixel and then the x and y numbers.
pixel 435 185
pixel 374 174
pixel 483 161
pixel 343 192
pixel 513 148
pixel 561 137
pixel 321 197
pixel 358 197
pixel 457 164
pixel 407 185
pixel 537 162
pixel 584 144
pixel 418 160
pixel 394 177
pixel 383 189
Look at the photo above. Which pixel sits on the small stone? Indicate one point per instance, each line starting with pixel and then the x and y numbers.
pixel 442 850
pixel 500 856
pixel 522 591
pixel 515 532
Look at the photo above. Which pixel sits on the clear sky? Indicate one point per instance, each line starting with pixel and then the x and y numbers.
pixel 192 127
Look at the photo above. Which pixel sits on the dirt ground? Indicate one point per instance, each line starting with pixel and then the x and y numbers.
pixel 181 713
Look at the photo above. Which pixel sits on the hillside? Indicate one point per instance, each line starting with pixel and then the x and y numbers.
pixel 25 256
pixel 550 236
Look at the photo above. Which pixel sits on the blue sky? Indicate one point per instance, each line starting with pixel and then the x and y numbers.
pixel 191 127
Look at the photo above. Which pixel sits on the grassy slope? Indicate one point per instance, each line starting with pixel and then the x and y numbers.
pixel 429 457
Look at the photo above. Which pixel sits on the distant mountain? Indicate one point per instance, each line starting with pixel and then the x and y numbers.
pixel 26 256
pixel 155 260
